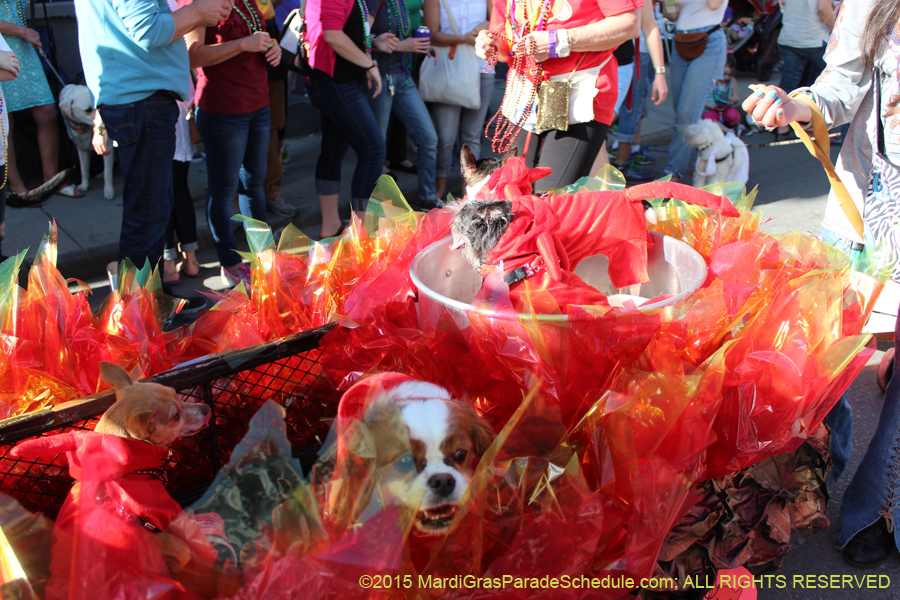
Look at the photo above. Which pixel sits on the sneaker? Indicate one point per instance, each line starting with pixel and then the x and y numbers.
pixel 285 157
pixel 282 207
pixel 639 158
pixel 243 275
pixel 633 173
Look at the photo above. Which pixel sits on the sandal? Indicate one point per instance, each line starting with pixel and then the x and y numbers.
pixel 185 266
pixel 171 277
pixel 70 191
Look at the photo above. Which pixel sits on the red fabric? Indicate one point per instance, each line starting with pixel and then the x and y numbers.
pixel 238 85
pixel 567 14
pixel 324 15
pixel 354 400
pixel 555 232
pixel 96 535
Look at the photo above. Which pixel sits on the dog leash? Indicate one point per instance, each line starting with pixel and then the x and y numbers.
pixel 52 68
pixel 72 136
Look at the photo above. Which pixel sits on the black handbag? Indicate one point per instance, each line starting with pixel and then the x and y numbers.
pixel 294 43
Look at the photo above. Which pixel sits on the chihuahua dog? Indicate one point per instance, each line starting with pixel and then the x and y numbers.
pixel 148 411
pixel 427 445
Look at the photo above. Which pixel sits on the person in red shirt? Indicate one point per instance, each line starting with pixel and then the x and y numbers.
pixel 573 39
pixel 233 121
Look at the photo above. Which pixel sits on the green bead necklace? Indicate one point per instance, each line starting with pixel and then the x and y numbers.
pixel 253 22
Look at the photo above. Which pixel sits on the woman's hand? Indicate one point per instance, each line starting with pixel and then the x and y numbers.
pixel 486 44
pixel 258 42
pixel 660 89
pixel 31 36
pixel 273 54
pixel 386 42
pixel 770 107
pixel 433 54
pixel 9 62
pixel 536 43
pixel 373 78
pixel 413 44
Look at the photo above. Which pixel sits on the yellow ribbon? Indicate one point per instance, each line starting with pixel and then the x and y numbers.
pixel 820 147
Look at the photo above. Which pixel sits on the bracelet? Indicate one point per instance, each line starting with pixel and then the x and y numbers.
pixel 552 41
pixel 660 70
pixel 374 64
pixel 99 129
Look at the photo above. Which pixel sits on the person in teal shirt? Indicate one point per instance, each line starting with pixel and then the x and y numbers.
pixel 136 66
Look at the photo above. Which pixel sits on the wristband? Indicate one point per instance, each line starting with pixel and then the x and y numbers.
pixel 660 70
pixel 374 64
pixel 99 129
pixel 552 44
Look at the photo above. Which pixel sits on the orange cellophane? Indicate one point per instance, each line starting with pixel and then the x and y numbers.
pixel 604 421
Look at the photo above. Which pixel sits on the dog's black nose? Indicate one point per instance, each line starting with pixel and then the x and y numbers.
pixel 442 484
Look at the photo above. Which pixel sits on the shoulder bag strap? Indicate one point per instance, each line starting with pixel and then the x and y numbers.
pixel 450 16
pixel 821 149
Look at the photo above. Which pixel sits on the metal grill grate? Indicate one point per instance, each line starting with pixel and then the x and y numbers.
pixel 233 384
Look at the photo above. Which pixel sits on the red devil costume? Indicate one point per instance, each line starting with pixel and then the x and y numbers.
pixel 102 539
pixel 551 234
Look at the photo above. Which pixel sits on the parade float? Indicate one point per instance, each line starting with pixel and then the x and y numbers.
pixel 661 442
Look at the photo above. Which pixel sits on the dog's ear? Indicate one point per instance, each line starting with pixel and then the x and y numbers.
pixel 481 433
pixel 467 160
pixel 115 375
pixel 140 423
pixel 389 433
pixel 511 153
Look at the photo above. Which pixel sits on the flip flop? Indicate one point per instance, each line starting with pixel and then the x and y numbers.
pixel 168 278
pixel 184 271
pixel 70 191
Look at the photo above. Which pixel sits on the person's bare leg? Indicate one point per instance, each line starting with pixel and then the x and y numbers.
pixel 441 187
pixel 601 161
pixel 331 220
pixel 47 139
pixel 16 185
pixel 623 153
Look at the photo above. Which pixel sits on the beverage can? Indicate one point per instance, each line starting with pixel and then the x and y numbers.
pixel 422 32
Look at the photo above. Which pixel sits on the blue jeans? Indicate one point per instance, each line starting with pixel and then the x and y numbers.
pixel 840 419
pixel 688 86
pixel 236 148
pixel 347 122
pixel 409 107
pixel 465 123
pixel 630 119
pixel 872 492
pixel 144 133
pixel 795 61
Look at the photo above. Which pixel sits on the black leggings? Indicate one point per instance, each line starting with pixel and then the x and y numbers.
pixel 569 153
pixel 183 220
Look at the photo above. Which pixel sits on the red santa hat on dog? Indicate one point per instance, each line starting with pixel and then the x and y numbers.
pixel 355 400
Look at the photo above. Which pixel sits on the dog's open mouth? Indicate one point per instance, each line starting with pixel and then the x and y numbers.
pixel 435 520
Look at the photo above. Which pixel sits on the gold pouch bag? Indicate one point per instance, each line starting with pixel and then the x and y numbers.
pixel 553 105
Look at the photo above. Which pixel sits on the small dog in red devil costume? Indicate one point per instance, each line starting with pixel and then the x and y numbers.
pixel 540 240
pixel 426 459
pixel 102 539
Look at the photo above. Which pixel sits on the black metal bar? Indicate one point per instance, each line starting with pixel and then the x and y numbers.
pixel 183 376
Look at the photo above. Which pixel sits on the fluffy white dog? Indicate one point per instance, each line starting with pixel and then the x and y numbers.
pixel 721 156
pixel 78 110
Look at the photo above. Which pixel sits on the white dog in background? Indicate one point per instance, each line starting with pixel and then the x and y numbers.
pixel 721 157
pixel 78 110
